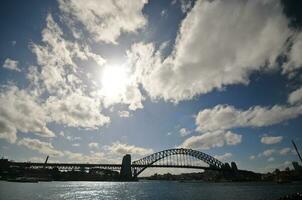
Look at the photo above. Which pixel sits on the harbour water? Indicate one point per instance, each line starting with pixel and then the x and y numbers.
pixel 146 190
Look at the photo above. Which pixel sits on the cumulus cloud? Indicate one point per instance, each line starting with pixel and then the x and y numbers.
pixel 67 156
pixel 267 152
pixel 57 91
pixel 223 157
pixel 247 36
pixel 271 139
pixel 296 96
pixel 104 21
pixel 93 145
pixel 76 110
pixel 61 133
pixel 11 64
pixel 227 117
pixel 61 75
pixel 95 157
pixel 278 165
pixel 42 147
pixel 271 159
pixel 214 139
pixel 119 86
pixel 120 148
pixel 124 113
pixel 285 151
pixel 56 59
pixel 184 132
pixel 72 138
pixel 294 56
pixel 185 5
pixel 252 157
pixel 21 111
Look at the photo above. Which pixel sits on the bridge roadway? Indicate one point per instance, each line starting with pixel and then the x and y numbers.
pixel 99 166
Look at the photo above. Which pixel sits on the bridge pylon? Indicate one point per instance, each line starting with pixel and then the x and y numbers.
pixel 125 172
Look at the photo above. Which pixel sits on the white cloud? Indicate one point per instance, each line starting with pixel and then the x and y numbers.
pixel 37 159
pixel 93 145
pixel 11 64
pixel 42 147
pixel 76 110
pixel 227 117
pixel 72 138
pixel 76 145
pixel 278 165
pixel 62 74
pixel 119 148
pixel 285 151
pixel 247 36
pixel 296 96
pixel 67 156
pixel 267 152
pixel 184 132
pixel 214 139
pixel 271 139
pixel 72 100
pixel 62 133
pixel 252 157
pixel 21 111
pixel 124 113
pixel 163 13
pixel 57 93
pixel 7 130
pixel 185 5
pixel 119 86
pixel 223 157
pixel 106 20
pixel 294 56
pixel 96 157
pixel 271 159
pixel 56 57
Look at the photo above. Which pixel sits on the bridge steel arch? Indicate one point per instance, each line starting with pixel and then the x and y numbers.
pixel 151 159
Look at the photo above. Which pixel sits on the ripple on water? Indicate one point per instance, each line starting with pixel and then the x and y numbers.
pixel 145 190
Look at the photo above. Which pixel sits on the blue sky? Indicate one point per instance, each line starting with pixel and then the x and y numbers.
pixel 90 82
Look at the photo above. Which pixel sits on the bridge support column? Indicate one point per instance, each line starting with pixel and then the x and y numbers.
pixel 126 173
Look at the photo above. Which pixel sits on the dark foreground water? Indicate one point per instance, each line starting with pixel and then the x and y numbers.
pixel 145 190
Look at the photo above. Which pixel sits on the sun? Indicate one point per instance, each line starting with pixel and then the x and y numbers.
pixel 114 80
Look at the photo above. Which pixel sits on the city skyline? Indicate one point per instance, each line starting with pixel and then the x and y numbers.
pixel 90 82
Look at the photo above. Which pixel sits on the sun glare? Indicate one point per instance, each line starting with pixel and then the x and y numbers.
pixel 114 80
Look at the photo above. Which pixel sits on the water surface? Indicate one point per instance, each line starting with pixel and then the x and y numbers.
pixel 145 190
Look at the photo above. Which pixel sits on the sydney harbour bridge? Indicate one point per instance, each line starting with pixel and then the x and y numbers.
pixel 170 158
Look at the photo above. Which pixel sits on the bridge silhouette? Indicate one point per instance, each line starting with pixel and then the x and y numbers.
pixel 170 158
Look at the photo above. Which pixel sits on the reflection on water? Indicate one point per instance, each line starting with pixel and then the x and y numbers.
pixel 145 190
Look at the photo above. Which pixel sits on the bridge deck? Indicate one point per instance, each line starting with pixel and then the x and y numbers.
pixel 90 165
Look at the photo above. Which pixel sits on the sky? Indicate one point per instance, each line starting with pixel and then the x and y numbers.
pixel 90 81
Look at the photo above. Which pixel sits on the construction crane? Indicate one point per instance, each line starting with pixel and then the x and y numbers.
pixel 46 161
pixel 297 150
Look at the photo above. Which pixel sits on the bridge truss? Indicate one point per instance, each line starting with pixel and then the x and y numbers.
pixel 176 158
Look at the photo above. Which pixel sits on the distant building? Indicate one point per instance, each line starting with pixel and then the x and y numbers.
pixel 297 166
pixel 4 164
